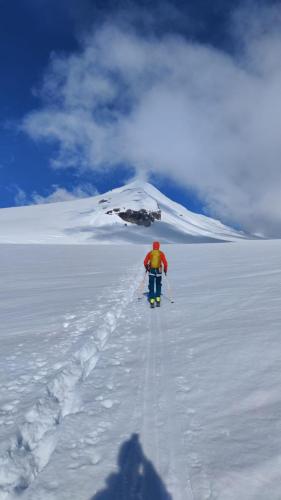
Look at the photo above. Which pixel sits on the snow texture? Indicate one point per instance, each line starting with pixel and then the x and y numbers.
pixel 101 395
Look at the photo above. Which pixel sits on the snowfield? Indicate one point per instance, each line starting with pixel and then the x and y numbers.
pixel 103 398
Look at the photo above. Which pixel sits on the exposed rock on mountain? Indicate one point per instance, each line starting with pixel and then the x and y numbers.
pixel 140 217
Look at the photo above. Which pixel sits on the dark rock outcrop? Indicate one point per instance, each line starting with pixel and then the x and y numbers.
pixel 140 217
pixel 110 212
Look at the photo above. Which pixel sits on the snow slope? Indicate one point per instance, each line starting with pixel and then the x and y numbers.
pixel 96 220
pixel 101 395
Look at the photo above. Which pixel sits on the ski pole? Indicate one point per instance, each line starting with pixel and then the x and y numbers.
pixel 141 287
pixel 170 292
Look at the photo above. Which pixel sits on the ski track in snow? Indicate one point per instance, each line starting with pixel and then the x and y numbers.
pixel 152 415
pixel 159 392
pixel 30 449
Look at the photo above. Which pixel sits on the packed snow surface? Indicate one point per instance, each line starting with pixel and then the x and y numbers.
pixel 102 397
pixel 96 220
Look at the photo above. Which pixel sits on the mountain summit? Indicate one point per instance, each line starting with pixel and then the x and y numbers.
pixel 134 213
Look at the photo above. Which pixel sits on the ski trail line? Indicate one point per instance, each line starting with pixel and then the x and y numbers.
pixel 30 450
pixel 158 416
pixel 155 398
pixel 150 423
pixel 147 380
pixel 180 478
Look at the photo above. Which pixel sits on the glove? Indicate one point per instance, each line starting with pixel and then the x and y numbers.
pixel 147 267
pixel 165 272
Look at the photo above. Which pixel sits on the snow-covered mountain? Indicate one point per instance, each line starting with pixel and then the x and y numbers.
pixel 134 213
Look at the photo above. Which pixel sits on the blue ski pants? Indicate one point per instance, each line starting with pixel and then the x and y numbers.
pixel 155 283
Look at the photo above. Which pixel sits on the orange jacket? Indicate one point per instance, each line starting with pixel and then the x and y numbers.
pixel 164 261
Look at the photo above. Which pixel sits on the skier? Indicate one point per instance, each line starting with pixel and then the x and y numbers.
pixel 154 263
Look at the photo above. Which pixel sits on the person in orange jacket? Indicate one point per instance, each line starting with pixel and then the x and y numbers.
pixel 154 263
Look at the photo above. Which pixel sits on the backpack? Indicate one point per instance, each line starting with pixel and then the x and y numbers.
pixel 155 259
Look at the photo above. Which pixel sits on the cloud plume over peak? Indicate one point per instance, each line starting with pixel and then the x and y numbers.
pixel 209 120
pixel 57 194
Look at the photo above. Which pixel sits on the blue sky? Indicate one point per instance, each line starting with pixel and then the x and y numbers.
pixel 29 32
pixel 42 39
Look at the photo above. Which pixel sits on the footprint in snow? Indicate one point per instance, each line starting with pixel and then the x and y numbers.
pixel 84 461
pixel 115 362
pixel 99 398
pixel 191 411
pixel 107 403
pixel 7 408
pixel 69 316
pixel 12 387
pixel 40 363
pixel 95 459
pixel 90 441
pixel 58 366
pixel 74 466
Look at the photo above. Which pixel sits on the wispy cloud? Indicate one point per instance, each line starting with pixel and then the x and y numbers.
pixel 20 196
pixel 57 194
pixel 209 120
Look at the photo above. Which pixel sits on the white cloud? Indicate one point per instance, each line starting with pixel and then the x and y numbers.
pixel 58 194
pixel 20 197
pixel 208 120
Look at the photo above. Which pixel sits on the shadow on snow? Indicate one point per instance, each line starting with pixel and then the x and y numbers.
pixel 136 478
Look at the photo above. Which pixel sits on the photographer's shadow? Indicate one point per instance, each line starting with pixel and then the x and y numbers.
pixel 136 478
